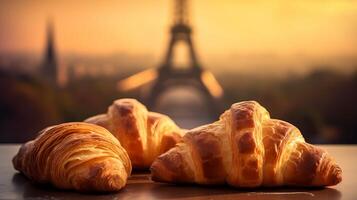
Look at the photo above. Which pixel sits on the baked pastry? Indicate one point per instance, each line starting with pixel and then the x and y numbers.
pixel 145 135
pixel 246 148
pixel 78 156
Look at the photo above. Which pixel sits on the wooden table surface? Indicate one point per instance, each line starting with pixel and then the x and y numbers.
pixel 15 186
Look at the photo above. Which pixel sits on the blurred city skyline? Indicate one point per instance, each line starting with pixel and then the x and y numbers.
pixel 297 58
pixel 285 36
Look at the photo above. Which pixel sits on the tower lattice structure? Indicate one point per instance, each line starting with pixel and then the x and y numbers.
pixel 170 76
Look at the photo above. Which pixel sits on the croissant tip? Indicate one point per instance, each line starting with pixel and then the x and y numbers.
pixel 336 176
pixel 155 176
pixel 159 172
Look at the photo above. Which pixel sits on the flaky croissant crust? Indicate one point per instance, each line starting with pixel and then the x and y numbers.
pixel 145 135
pixel 79 156
pixel 246 148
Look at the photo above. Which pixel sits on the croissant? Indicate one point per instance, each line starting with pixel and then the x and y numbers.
pixel 246 148
pixel 145 135
pixel 78 156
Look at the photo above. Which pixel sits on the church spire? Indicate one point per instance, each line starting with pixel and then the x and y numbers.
pixel 49 67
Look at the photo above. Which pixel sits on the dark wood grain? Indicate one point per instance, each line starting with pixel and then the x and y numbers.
pixel 15 186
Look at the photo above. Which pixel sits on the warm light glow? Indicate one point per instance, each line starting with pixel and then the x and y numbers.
pixel 141 26
pixel 137 80
pixel 305 33
pixel 212 84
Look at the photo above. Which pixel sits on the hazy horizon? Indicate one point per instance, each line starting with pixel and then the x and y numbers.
pixel 278 35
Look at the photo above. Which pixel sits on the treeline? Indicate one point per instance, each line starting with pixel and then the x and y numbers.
pixel 322 104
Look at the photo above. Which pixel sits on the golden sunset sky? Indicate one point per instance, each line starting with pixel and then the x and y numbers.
pixel 221 27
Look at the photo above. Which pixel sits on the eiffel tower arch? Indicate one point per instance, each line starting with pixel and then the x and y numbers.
pixel 193 75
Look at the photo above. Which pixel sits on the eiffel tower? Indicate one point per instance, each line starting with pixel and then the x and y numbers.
pixel 169 76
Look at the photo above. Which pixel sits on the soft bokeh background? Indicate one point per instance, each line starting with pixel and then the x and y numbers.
pixel 297 58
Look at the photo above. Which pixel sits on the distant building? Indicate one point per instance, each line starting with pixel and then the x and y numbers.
pixel 49 65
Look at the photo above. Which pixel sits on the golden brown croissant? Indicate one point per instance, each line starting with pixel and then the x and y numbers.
pixel 79 156
pixel 246 148
pixel 145 135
